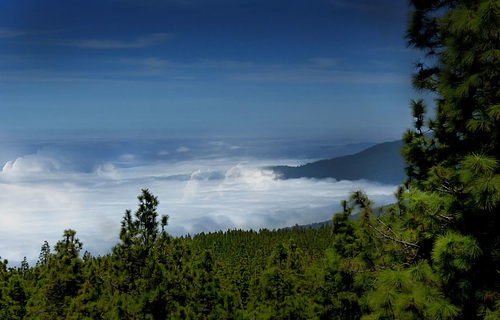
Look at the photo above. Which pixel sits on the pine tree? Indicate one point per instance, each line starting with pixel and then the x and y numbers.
pixel 60 279
pixel 453 156
pixel 43 258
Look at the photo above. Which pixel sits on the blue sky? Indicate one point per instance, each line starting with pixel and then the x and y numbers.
pixel 213 67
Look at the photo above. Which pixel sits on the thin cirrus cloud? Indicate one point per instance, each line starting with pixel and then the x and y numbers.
pixel 201 64
pixel 150 62
pixel 325 62
pixel 9 33
pixel 223 64
pixel 378 7
pixel 318 70
pixel 314 70
pixel 320 75
pixel 137 43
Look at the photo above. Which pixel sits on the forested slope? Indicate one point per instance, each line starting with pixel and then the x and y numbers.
pixel 224 275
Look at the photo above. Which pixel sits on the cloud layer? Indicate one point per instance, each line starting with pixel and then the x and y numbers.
pixel 45 192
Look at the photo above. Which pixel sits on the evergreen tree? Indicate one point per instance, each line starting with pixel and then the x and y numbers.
pixel 457 161
pixel 61 279
pixel 43 258
pixel 339 294
pixel 284 289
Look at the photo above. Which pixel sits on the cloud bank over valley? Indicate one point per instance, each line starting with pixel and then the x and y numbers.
pixel 46 187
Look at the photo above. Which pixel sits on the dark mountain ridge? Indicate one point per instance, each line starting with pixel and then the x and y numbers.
pixel 381 163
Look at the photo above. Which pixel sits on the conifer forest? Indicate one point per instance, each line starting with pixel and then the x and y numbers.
pixel 433 254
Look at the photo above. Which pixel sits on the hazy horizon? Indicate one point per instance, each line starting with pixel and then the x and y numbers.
pixel 189 98
pixel 202 185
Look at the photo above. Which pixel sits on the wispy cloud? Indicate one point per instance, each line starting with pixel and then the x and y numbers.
pixel 364 5
pixel 150 62
pixel 9 33
pixel 320 75
pixel 141 42
pixel 314 70
pixel 154 62
pixel 222 64
pixel 123 69
pixel 325 62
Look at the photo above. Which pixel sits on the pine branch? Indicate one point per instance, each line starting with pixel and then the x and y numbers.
pixel 114 285
pixel 405 243
pixel 390 229
pixel 445 217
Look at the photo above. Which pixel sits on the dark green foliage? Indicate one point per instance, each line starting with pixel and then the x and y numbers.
pixel 453 171
pixel 462 39
pixel 458 163
pixel 60 279
pixel 151 275
pixel 12 292
pixel 43 258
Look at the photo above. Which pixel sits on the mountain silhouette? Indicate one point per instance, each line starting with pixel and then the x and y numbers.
pixel 381 163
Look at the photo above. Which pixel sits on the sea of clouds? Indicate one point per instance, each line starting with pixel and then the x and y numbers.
pixel 203 185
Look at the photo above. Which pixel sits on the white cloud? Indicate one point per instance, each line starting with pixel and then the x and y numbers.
pixel 182 149
pixel 30 165
pixel 31 213
pixel 107 170
pixel 199 195
pixel 191 189
pixel 252 179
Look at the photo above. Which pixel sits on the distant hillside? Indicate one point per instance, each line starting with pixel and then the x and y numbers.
pixel 381 163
